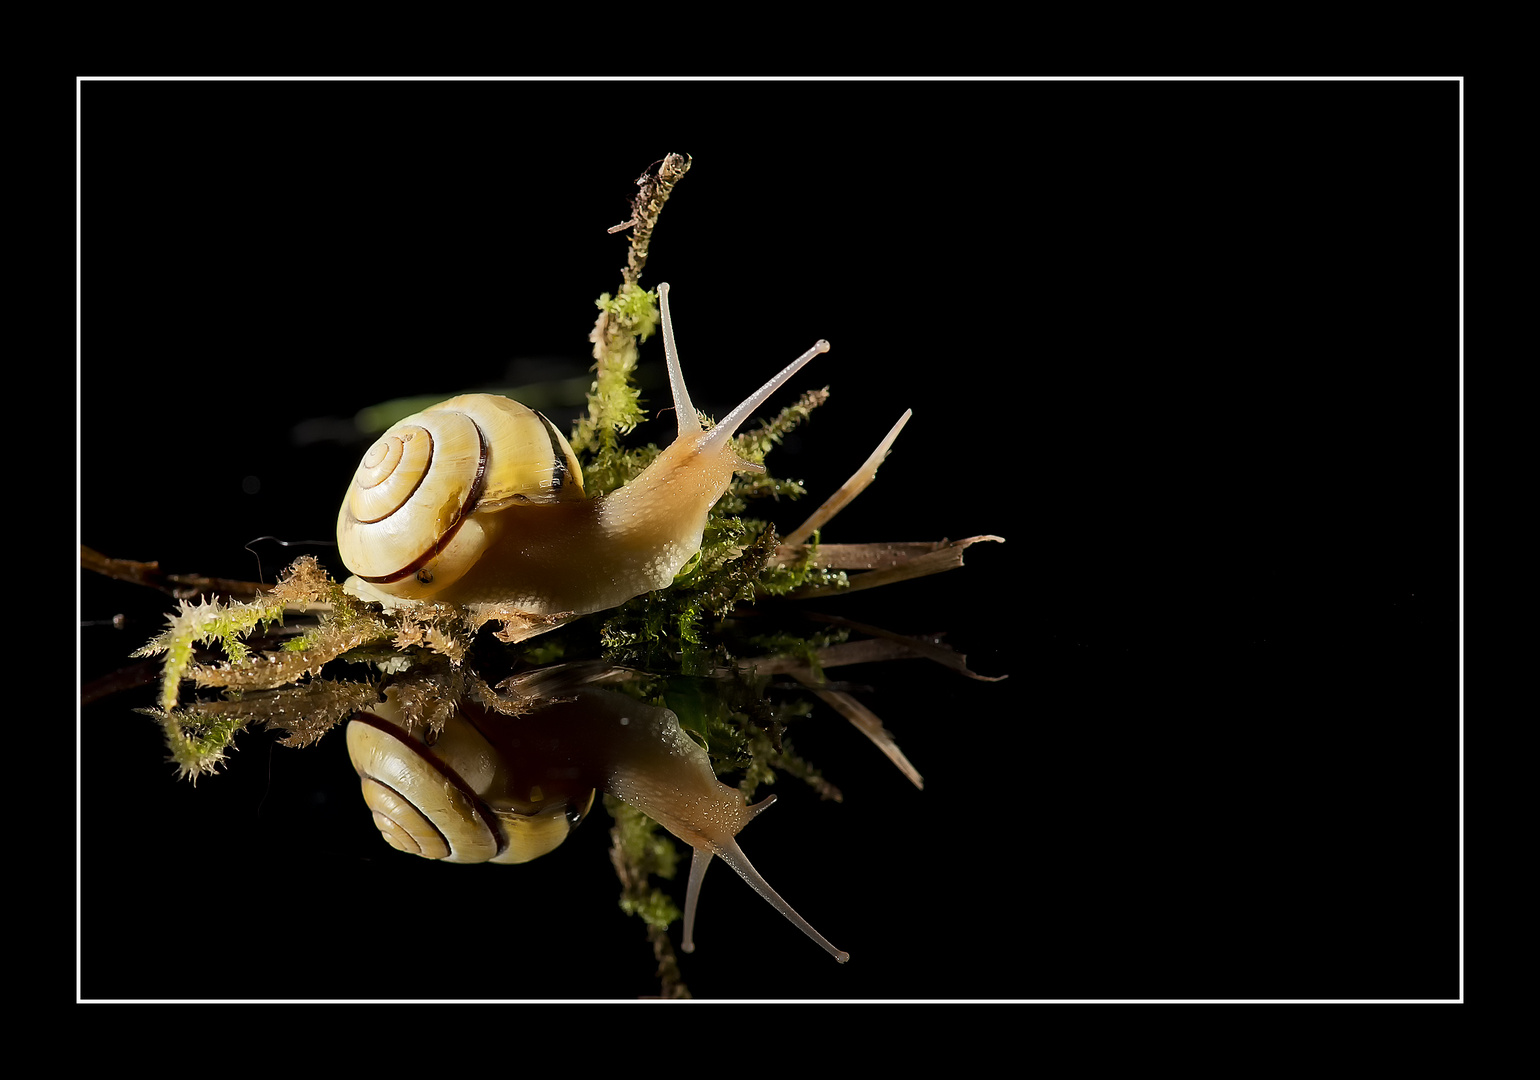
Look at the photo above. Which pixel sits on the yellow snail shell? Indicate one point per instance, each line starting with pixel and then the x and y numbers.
pixel 417 509
pixel 479 500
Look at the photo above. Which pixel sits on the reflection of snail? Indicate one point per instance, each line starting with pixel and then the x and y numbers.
pixel 479 499
pixel 495 788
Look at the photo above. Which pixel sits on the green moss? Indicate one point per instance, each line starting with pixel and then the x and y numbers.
pixel 636 309
pixel 210 622
pixel 614 402
pixel 644 851
pixel 544 650
pixel 197 742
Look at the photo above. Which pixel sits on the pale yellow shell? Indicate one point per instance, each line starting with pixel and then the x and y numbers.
pixel 478 501
pixel 407 525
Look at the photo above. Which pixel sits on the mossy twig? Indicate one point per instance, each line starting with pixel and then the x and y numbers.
pixel 625 320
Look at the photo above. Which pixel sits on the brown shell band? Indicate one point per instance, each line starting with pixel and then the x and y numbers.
pixel 449 534
pixel 424 751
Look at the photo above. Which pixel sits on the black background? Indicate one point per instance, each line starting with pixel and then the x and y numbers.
pixel 1192 347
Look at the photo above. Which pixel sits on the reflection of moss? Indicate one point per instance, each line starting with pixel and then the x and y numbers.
pixel 199 734
pixel 650 852
pixel 640 850
pixel 206 623
pixel 197 741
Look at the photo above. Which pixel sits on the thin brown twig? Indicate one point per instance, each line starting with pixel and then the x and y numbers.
pixel 653 189
pixel 150 575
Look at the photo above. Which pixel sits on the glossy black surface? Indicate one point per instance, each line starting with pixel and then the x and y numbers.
pixel 1192 348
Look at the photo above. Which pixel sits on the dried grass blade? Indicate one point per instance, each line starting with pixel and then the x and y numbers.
pixel 877 556
pixel 870 725
pixel 933 562
pixel 850 488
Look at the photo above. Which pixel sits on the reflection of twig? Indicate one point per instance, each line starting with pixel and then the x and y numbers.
pixel 634 865
pixel 883 645
pixel 870 725
pixel 144 673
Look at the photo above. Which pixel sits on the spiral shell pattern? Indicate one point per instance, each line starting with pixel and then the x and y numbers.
pixel 417 485
pixel 453 800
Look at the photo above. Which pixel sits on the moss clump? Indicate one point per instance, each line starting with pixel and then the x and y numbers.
pixel 641 851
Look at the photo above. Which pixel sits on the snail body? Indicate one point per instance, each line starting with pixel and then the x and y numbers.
pixel 498 788
pixel 480 499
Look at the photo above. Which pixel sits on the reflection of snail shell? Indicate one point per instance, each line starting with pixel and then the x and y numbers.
pixel 494 788
pixel 479 499
pixel 454 800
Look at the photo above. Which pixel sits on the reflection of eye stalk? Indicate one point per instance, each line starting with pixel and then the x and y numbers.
pixel 499 788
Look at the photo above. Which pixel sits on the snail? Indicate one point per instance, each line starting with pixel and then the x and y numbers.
pixel 499 788
pixel 479 499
